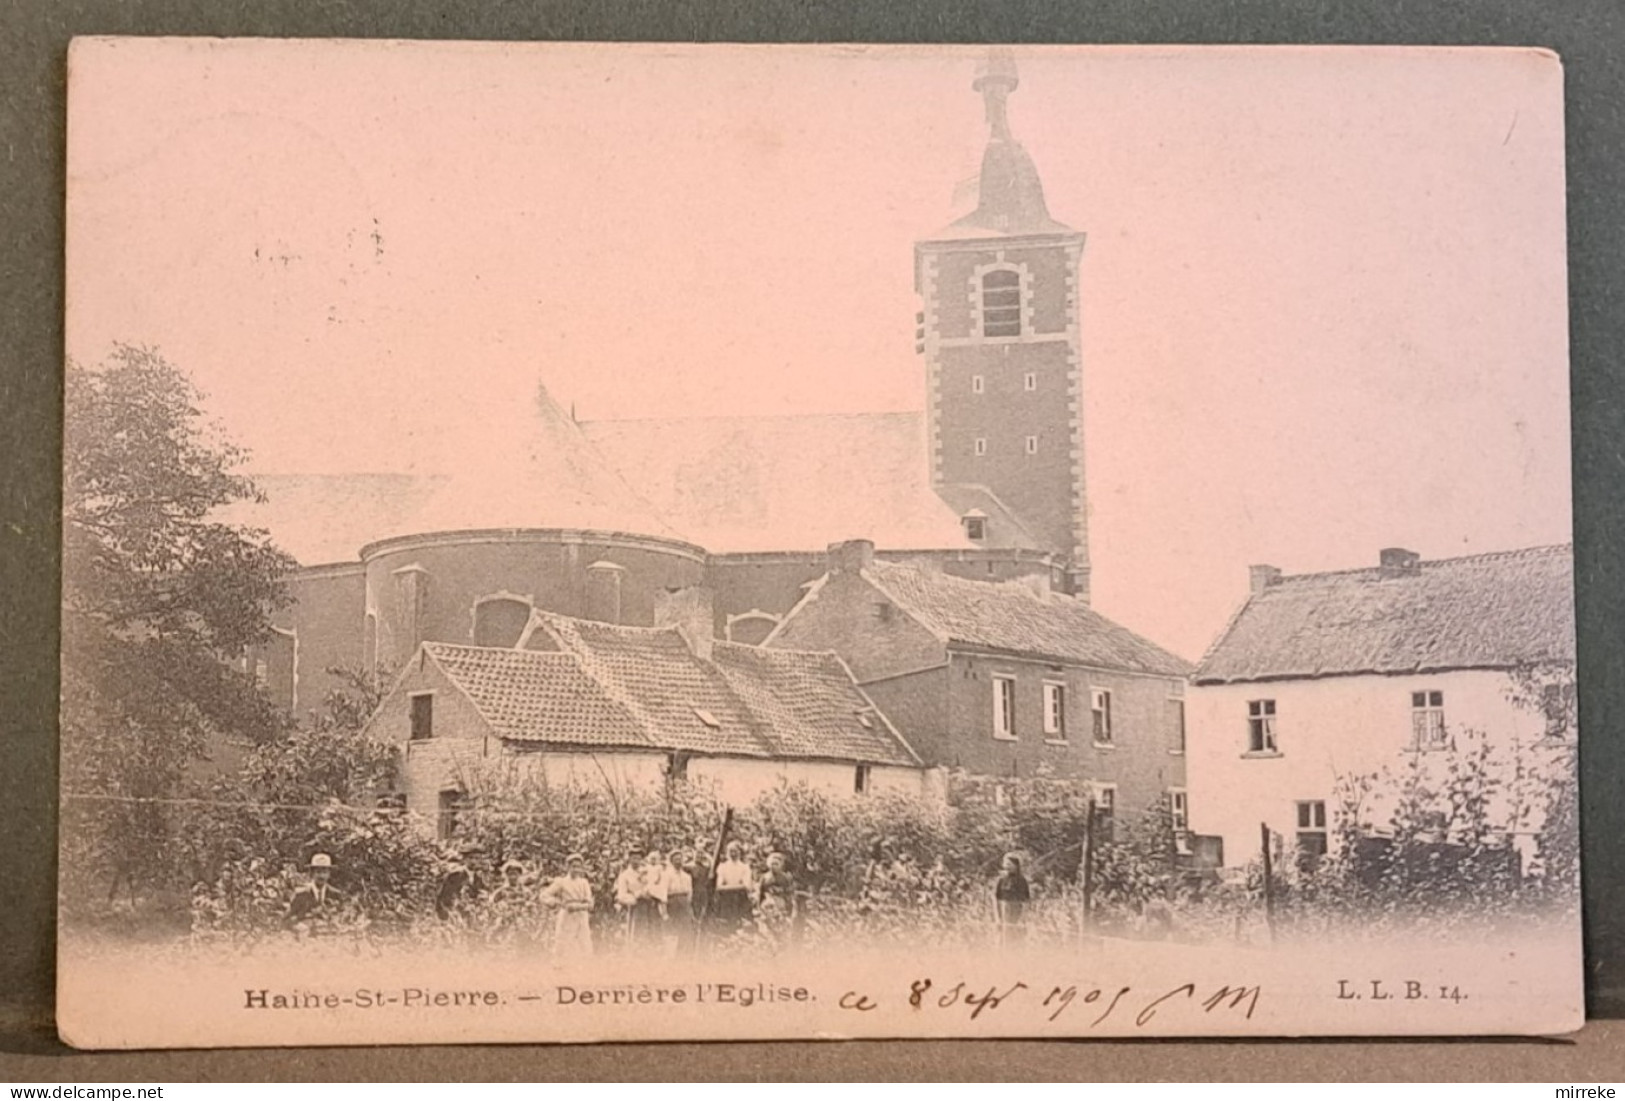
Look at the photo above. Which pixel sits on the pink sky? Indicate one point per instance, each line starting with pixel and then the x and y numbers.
pixel 1323 294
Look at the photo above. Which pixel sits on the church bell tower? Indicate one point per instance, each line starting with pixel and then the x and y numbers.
pixel 999 332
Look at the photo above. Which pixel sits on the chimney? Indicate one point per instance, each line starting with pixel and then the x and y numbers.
pixel 604 591
pixel 851 556
pixel 1037 584
pixel 1077 582
pixel 690 610
pixel 1398 560
pixel 1260 578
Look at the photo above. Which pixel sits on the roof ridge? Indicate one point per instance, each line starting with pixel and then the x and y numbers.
pixel 1426 563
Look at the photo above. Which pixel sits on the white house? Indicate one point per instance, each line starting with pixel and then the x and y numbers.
pixel 582 703
pixel 1324 676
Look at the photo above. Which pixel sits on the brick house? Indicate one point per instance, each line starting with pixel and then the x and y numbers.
pixel 1005 679
pixel 1324 675
pixel 585 703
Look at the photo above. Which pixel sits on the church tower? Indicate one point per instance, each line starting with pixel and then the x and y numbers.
pixel 999 332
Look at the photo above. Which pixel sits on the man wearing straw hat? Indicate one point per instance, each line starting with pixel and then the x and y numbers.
pixel 317 899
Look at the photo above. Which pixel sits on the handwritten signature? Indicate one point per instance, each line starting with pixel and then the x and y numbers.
pixel 926 995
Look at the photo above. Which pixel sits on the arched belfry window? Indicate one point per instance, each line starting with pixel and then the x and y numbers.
pixel 1001 302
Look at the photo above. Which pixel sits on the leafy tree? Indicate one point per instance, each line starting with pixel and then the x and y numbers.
pixel 159 599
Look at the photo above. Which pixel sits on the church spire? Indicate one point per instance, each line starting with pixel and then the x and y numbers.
pixel 996 78
pixel 1010 196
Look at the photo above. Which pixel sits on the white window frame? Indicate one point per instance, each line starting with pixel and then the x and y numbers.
pixel 1004 707
pixel 1429 730
pixel 980 445
pixel 1261 719
pixel 1179 810
pixel 1183 731
pixel 1100 717
pixel 1105 795
pixel 862 777
pixel 1032 445
pixel 976 384
pixel 1029 381
pixel 1314 810
pixel 1055 711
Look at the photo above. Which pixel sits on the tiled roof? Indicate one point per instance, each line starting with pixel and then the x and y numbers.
pixel 1009 616
pixel 634 686
pixel 1487 611
pixel 809 701
pixel 782 483
pixel 530 696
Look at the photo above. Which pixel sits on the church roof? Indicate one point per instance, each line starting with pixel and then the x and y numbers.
pixel 634 686
pixel 326 518
pixel 551 476
pixel 779 483
pixel 1485 611
pixel 1011 617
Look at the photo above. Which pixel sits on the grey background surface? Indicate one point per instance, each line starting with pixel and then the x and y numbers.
pixel 1588 34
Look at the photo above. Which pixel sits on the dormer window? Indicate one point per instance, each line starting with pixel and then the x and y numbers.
pixel 707 718
pixel 1001 303
pixel 975 525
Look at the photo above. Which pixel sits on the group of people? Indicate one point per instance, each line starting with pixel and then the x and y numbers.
pixel 662 902
pixel 669 902
pixel 671 899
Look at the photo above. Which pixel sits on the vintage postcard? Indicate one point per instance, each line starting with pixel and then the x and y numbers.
pixel 643 542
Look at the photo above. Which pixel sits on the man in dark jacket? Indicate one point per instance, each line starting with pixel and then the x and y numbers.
pixel 317 900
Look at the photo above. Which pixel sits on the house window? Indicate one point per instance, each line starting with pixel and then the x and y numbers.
pixel 1261 727
pixel 981 445
pixel 262 673
pixel 1179 811
pixel 1311 830
pixel 882 610
pixel 454 808
pixel 1004 708
pixel 1557 704
pixel 1105 810
pixel 1100 705
pixel 1001 303
pixel 1176 724
pixel 976 384
pixel 1032 445
pixel 1427 721
pixel 976 528
pixel 1055 712
pixel 860 780
pixel 677 767
pixel 422 715
pixel 1029 381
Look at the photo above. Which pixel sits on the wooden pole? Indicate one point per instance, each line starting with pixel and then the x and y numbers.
pixel 1269 880
pixel 716 858
pixel 1086 916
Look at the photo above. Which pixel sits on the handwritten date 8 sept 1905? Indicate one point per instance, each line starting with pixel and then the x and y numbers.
pixel 1100 1002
